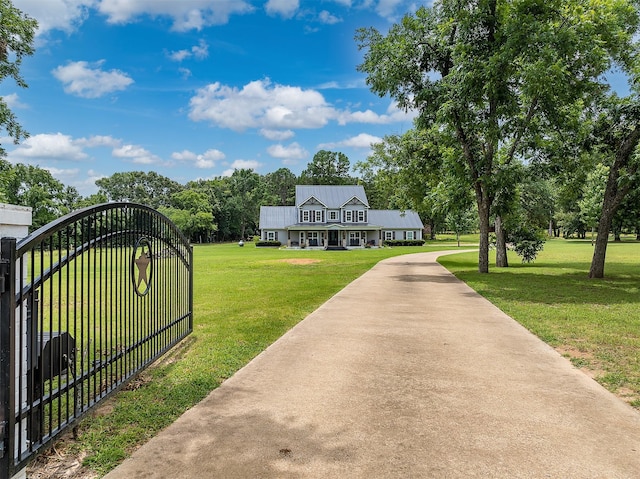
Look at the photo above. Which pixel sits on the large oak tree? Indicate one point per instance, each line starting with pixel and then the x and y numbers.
pixel 492 73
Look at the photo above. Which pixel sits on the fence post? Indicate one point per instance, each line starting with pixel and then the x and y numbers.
pixel 7 338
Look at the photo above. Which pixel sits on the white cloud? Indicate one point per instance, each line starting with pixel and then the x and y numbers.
pixel 186 15
pixel 97 141
pixel 136 154
pixel 87 80
pixel 260 104
pixel 48 146
pixel 245 165
pixel 363 140
pixel 284 8
pixel 393 115
pixel 277 135
pixel 200 52
pixel 326 17
pixel 205 160
pixel 292 152
pixel 179 55
pixel 388 8
pixel 13 101
pixel 63 15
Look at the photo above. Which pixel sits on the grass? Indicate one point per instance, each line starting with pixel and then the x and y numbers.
pixel 244 299
pixel 594 323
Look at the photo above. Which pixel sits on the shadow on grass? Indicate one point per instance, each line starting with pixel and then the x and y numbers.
pixel 559 283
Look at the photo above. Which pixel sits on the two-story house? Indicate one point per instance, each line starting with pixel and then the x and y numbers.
pixel 335 217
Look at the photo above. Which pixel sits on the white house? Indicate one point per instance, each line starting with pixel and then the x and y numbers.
pixel 335 217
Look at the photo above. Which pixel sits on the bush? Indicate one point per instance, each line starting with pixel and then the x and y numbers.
pixel 269 243
pixel 526 242
pixel 403 243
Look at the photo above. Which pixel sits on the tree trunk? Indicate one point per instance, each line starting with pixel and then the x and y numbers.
pixel 483 217
pixel 613 196
pixel 501 245
pixel 602 240
pixel 551 231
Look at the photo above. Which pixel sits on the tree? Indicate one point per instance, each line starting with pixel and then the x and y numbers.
pixel 281 185
pixel 246 194
pixel 29 185
pixel 149 189
pixel 492 73
pixel 620 128
pixel 17 31
pixel 192 212
pixel 404 171
pixel 327 168
pixel 591 203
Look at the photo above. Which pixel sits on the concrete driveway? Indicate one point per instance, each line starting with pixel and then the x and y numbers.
pixel 405 373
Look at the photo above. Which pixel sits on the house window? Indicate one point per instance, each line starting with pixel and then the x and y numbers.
pixel 388 235
pixel 410 235
pixel 272 236
pixel 333 216
pixel 348 216
pixel 362 216
pixel 318 216
pixel 305 216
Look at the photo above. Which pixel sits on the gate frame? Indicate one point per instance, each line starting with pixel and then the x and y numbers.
pixel 9 358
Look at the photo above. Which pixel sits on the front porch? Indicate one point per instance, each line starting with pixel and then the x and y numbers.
pixel 333 238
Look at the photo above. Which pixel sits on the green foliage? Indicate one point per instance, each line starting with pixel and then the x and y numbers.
pixel 280 188
pixel 151 189
pixel 591 203
pixel 327 168
pixel 29 185
pixel 497 77
pixel 268 243
pixel 527 242
pixel 403 242
pixel 17 32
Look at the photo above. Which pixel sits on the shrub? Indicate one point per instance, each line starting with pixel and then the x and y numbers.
pixel 526 242
pixel 403 243
pixel 269 243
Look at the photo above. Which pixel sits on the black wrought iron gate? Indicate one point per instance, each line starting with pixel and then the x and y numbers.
pixel 86 302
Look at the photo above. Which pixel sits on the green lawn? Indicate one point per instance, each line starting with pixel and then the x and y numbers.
pixel 245 298
pixel 595 323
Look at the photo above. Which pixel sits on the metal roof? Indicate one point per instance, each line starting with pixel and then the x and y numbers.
pixel 277 217
pixel 395 219
pixel 332 196
pixel 283 217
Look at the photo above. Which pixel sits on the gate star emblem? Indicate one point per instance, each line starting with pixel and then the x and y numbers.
pixel 142 263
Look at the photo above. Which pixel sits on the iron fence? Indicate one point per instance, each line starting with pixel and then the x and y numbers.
pixel 86 303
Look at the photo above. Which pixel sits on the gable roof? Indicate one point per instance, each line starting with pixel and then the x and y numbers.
pixel 332 196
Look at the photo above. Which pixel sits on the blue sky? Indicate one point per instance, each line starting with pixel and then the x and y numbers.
pixel 195 88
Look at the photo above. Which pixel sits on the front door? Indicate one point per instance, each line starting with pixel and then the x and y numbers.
pixel 333 238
